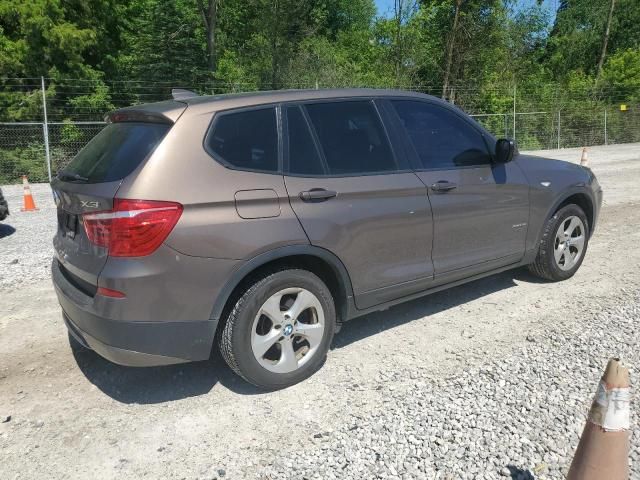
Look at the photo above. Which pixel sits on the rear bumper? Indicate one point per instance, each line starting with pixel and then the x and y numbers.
pixel 131 343
pixel 128 358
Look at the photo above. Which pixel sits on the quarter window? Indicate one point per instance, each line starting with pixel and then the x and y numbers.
pixel 352 137
pixel 441 138
pixel 246 140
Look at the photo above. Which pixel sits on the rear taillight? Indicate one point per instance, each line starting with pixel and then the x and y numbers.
pixel 133 228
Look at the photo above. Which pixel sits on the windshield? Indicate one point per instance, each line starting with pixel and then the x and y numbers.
pixel 115 152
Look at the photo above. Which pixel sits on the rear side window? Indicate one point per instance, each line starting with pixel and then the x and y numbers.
pixel 352 137
pixel 302 155
pixel 246 140
pixel 116 151
pixel 441 138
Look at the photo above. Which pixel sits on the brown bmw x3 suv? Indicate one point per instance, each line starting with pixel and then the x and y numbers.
pixel 260 222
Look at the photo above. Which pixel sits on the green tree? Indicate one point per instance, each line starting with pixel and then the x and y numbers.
pixel 44 38
pixel 586 31
pixel 166 43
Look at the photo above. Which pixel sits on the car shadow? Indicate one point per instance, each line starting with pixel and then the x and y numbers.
pixel 373 323
pixel 519 474
pixel 6 230
pixel 525 275
pixel 154 385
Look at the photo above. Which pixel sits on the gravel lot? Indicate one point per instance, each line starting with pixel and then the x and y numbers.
pixel 25 237
pixel 492 379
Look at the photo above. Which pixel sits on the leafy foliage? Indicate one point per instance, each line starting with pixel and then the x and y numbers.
pixel 97 55
pixel 302 43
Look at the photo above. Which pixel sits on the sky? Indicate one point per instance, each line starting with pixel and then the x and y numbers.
pixel 385 7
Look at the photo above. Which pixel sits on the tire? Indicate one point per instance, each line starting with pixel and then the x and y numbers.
pixel 550 263
pixel 4 207
pixel 270 313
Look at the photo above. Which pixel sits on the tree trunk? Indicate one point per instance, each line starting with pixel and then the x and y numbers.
pixel 449 59
pixel 210 18
pixel 605 40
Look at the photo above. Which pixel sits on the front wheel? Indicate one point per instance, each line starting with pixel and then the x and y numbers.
pixel 280 329
pixel 563 244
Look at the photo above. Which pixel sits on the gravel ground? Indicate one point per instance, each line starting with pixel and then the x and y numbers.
pixel 492 379
pixel 517 416
pixel 26 237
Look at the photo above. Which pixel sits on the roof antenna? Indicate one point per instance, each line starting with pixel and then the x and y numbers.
pixel 182 93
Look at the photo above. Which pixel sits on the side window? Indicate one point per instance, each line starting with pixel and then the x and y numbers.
pixel 246 140
pixel 441 138
pixel 351 137
pixel 303 155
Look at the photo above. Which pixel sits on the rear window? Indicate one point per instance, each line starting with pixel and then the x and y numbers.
pixel 352 137
pixel 247 140
pixel 116 151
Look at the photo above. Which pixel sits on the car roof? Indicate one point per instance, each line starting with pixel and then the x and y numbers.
pixel 200 104
pixel 238 100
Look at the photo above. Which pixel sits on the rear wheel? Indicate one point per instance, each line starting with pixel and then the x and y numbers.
pixel 563 245
pixel 280 329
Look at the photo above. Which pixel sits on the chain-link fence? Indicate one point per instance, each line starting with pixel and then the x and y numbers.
pixel 76 109
pixel 23 152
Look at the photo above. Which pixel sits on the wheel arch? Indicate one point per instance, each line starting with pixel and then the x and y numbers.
pixel 578 197
pixel 317 260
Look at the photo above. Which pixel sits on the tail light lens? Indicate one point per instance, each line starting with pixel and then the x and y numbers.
pixel 133 228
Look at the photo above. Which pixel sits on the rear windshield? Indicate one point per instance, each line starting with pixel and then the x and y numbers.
pixel 116 151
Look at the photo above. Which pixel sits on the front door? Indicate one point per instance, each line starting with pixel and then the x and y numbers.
pixel 480 209
pixel 354 199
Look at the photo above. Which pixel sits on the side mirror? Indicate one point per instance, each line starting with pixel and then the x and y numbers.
pixel 505 150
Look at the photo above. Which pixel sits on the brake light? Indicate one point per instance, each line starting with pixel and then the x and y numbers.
pixel 133 228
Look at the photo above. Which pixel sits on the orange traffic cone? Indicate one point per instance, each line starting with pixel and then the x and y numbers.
pixel 29 204
pixel 584 160
pixel 603 451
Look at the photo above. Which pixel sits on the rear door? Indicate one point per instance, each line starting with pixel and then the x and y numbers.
pixel 354 198
pixel 480 209
pixel 89 184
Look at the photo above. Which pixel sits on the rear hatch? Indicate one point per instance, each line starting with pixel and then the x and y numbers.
pixel 89 184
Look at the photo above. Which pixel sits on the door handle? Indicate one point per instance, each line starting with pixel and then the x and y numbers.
pixel 317 195
pixel 443 186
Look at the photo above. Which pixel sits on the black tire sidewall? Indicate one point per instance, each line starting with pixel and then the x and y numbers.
pixel 242 329
pixel 559 218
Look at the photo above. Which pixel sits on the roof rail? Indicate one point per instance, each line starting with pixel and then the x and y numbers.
pixel 182 93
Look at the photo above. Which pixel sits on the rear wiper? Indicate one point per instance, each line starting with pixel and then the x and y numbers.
pixel 62 175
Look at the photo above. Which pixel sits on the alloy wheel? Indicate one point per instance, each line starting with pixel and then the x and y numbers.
pixel 287 330
pixel 569 242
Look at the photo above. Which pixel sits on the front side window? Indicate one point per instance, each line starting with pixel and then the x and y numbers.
pixel 352 137
pixel 441 138
pixel 246 140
